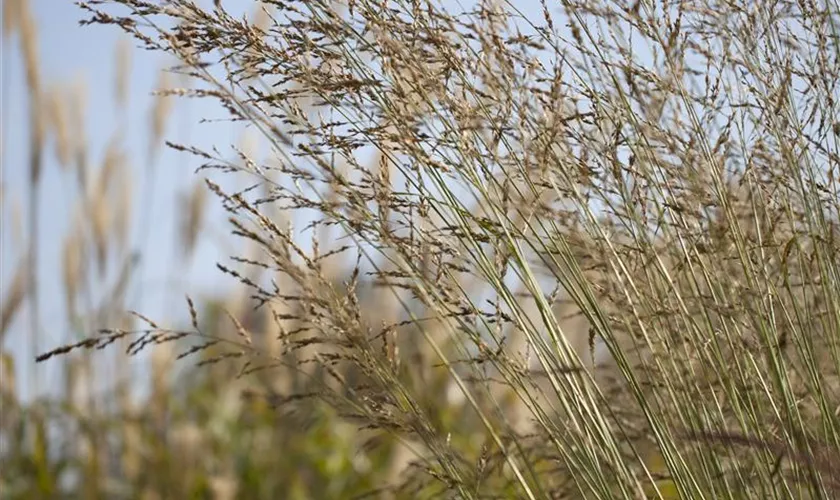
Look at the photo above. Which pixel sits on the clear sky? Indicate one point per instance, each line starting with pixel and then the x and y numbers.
pixel 71 55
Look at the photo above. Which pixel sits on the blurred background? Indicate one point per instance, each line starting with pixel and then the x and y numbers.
pixel 102 136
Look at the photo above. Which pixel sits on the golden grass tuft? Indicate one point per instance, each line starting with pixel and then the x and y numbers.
pixel 73 256
pixel 160 113
pixel 13 297
pixel 122 74
pixel 59 126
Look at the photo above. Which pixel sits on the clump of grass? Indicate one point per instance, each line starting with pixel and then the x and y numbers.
pixel 109 428
pixel 664 174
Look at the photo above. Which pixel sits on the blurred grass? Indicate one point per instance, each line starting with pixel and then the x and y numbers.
pixel 568 271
